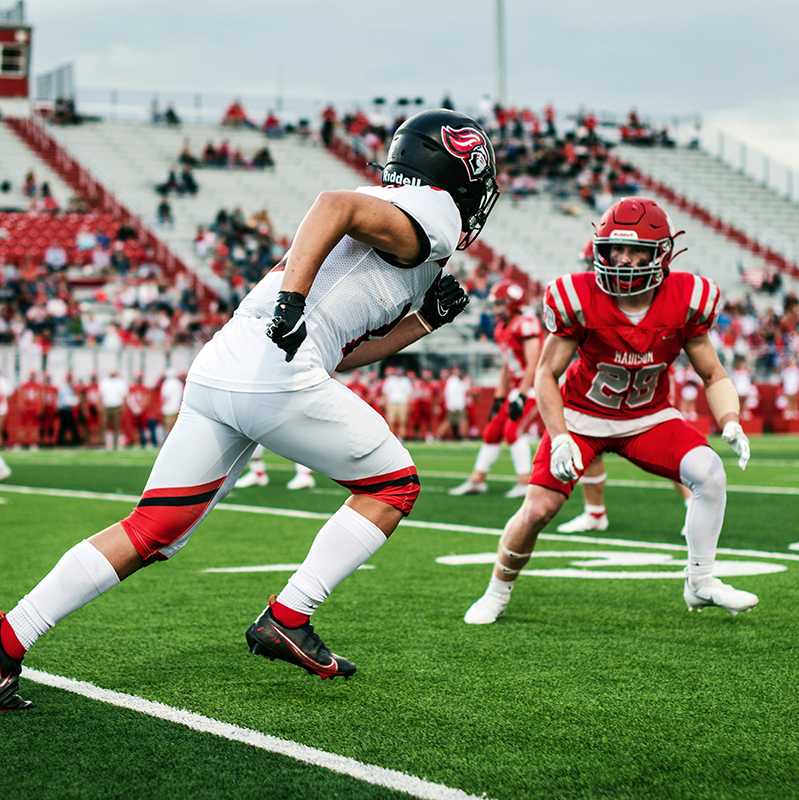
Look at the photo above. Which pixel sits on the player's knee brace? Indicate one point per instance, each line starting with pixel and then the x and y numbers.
pixel 398 489
pixel 164 516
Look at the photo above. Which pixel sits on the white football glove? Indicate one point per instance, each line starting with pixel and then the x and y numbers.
pixel 735 437
pixel 565 459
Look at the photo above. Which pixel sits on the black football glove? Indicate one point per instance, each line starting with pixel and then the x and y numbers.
pixel 287 326
pixel 498 401
pixel 516 405
pixel 443 301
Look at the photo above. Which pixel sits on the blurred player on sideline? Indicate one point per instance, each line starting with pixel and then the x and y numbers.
pixel 518 333
pixel 362 280
pixel 257 475
pixel 627 323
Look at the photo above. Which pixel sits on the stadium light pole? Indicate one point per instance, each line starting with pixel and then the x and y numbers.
pixel 501 88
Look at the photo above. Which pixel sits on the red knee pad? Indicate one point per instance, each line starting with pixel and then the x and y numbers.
pixel 164 515
pixel 398 489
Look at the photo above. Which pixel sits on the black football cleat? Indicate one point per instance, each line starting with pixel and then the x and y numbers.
pixel 10 670
pixel 301 646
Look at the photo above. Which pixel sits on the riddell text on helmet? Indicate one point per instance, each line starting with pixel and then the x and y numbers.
pixel 398 179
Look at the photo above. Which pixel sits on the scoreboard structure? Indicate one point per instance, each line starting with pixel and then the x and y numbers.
pixel 15 52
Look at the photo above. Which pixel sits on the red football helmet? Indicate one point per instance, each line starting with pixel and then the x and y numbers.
pixel 506 296
pixel 639 221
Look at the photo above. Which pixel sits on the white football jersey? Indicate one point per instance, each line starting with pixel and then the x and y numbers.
pixel 355 296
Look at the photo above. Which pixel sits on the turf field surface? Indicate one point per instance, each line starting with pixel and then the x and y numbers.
pixel 586 688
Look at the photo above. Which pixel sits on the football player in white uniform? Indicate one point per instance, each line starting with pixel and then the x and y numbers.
pixel 362 280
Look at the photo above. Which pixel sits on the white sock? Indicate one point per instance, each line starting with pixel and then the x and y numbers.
pixel 345 541
pixel 486 456
pixel 258 467
pixel 496 586
pixel 300 470
pixel 597 511
pixel 520 455
pixel 82 574
pixel 702 471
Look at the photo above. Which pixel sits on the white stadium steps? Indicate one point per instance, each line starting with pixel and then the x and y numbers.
pixel 16 160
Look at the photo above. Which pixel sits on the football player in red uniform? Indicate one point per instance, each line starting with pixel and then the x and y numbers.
pixel 31 396
pixel 627 322
pixel 48 432
pixel 138 400
pixel 518 333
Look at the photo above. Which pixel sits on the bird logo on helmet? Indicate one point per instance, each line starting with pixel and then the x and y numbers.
pixel 643 223
pixel 506 297
pixel 449 151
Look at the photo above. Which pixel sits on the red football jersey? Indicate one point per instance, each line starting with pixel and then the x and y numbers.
pixel 622 369
pixel 511 335
pixel 138 398
pixel 31 395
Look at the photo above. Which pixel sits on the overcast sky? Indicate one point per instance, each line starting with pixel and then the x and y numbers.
pixel 735 61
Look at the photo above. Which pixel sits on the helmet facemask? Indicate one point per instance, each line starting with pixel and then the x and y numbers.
pixel 626 280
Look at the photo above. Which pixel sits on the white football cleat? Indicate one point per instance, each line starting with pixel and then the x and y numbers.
pixel 5 472
pixel 519 490
pixel 716 593
pixel 585 522
pixel 252 478
pixel 469 488
pixel 489 608
pixel 301 481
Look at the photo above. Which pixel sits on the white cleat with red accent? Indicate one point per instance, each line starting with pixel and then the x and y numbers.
pixel 585 522
pixel 252 478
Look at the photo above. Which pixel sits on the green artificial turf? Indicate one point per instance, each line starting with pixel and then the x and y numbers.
pixel 585 689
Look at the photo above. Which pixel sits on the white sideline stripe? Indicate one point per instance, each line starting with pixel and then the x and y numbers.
pixel 369 773
pixel 410 523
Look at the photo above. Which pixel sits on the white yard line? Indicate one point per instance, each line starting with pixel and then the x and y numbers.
pixel 369 773
pixel 412 523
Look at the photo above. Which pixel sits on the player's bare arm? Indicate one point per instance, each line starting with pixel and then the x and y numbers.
pixel 721 395
pixel 556 356
pixel 334 215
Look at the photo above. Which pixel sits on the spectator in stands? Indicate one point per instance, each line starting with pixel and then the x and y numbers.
pixel 263 158
pixel 113 391
pixel 187 183
pixel 171 397
pixel 790 387
pixel 46 204
pixel 164 214
pixel 236 116
pixel 55 257
pixel 272 127
pixel 170 116
pixel 68 413
pixel 397 393
pixel 29 187
pixel 456 394
pixel 329 120
pixel 186 157
pixel 169 185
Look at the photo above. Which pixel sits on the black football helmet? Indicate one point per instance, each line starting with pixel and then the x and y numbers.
pixel 452 152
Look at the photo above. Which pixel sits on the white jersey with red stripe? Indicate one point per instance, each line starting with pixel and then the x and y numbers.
pixel 357 295
pixel 619 384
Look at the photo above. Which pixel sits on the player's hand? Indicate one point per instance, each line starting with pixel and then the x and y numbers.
pixel 515 404
pixel 287 326
pixel 565 461
pixel 443 301
pixel 498 401
pixel 735 437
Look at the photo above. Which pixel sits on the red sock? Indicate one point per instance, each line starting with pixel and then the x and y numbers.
pixel 288 616
pixel 9 640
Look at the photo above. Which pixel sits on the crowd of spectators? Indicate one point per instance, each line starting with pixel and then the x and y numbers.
pixel 90 411
pixel 241 249
pixel 224 155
